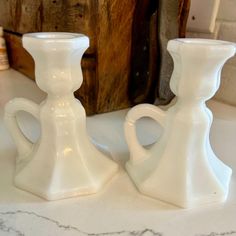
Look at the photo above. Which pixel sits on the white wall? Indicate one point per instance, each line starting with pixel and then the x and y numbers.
pixel 225 29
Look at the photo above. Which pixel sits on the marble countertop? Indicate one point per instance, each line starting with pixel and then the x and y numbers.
pixel 118 209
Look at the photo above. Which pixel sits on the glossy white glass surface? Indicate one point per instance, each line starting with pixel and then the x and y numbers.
pixel 63 162
pixel 181 168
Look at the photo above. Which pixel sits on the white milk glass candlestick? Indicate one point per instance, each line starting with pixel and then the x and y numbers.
pixel 63 162
pixel 181 168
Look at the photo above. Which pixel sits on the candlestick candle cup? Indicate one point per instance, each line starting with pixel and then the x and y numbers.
pixel 181 167
pixel 63 162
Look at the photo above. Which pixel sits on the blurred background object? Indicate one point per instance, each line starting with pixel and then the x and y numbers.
pixel 4 64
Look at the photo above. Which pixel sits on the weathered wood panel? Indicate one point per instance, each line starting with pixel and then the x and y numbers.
pixel 19 58
pixel 23 16
pixel 113 50
pixel 87 93
pixel 144 61
pixel 155 23
pixel 184 7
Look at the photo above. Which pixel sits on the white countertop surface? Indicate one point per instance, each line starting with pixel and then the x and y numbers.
pixel 118 209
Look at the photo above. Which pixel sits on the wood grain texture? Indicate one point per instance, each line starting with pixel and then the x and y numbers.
pixel 184 7
pixel 113 51
pixel 144 61
pixel 87 93
pixel 23 16
pixel 19 58
pixel 155 23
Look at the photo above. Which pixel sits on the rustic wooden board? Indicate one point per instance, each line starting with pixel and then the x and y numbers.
pixel 23 16
pixel 155 22
pixel 184 7
pixel 144 53
pixel 19 58
pixel 113 53
pixel 87 92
